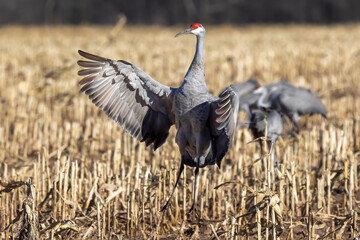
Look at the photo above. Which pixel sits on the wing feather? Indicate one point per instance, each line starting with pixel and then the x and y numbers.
pixel 112 100
pixel 88 71
pixel 87 79
pixel 92 56
pixel 222 121
pixel 244 90
pixel 88 64
pixel 129 96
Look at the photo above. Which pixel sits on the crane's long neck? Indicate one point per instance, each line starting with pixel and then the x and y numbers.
pixel 199 53
pixel 261 102
pixel 195 72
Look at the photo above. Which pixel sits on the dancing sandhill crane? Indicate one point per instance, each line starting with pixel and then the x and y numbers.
pixel 291 101
pixel 146 109
pixel 272 128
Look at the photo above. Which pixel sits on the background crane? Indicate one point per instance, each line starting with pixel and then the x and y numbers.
pixel 290 101
pixel 276 99
pixel 271 129
pixel 247 99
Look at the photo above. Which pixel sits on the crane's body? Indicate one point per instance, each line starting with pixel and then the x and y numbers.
pixel 193 136
pixel 191 107
pixel 258 125
pixel 272 128
pixel 147 109
pixel 291 101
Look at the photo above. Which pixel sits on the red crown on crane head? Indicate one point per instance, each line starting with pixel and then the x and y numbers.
pixel 195 26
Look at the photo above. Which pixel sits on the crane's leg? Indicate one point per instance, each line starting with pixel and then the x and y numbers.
pixel 294 120
pixel 275 159
pixel 262 155
pixel 195 185
pixel 272 148
pixel 261 148
pixel 203 147
pixel 176 183
pixel 296 127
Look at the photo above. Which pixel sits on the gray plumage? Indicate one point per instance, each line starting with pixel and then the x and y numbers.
pixel 291 101
pixel 128 96
pixel 247 100
pixel 274 127
pixel 147 109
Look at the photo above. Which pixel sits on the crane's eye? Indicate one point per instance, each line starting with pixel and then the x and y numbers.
pixel 195 26
pixel 258 86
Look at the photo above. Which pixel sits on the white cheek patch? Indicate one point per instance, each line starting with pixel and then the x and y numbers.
pixel 259 90
pixel 197 31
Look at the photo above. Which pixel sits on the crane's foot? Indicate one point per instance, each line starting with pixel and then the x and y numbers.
pixel 164 208
pixel 193 213
pixel 193 209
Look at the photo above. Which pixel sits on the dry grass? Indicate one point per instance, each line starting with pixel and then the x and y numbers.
pixel 90 180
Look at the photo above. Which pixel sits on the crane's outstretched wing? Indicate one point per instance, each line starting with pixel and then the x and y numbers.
pixel 244 90
pixel 129 96
pixel 300 100
pixel 222 122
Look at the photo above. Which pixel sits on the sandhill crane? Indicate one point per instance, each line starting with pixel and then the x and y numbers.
pixel 147 109
pixel 291 101
pixel 272 129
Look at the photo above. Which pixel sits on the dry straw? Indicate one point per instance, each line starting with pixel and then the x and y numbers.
pixel 90 180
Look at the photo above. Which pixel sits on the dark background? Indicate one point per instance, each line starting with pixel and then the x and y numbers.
pixel 170 12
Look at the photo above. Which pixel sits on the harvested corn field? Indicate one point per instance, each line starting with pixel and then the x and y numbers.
pixel 68 172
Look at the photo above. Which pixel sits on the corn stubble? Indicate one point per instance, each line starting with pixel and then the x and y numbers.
pixel 67 172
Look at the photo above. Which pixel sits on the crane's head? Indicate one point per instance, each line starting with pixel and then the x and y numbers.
pixel 195 28
pixel 259 89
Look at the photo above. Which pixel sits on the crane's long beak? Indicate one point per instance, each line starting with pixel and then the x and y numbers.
pixel 187 31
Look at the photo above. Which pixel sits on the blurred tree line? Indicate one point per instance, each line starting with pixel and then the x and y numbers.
pixel 169 12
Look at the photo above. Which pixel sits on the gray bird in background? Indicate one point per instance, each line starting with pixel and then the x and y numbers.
pixel 146 109
pixel 272 129
pixel 291 101
pixel 275 100
pixel 247 98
